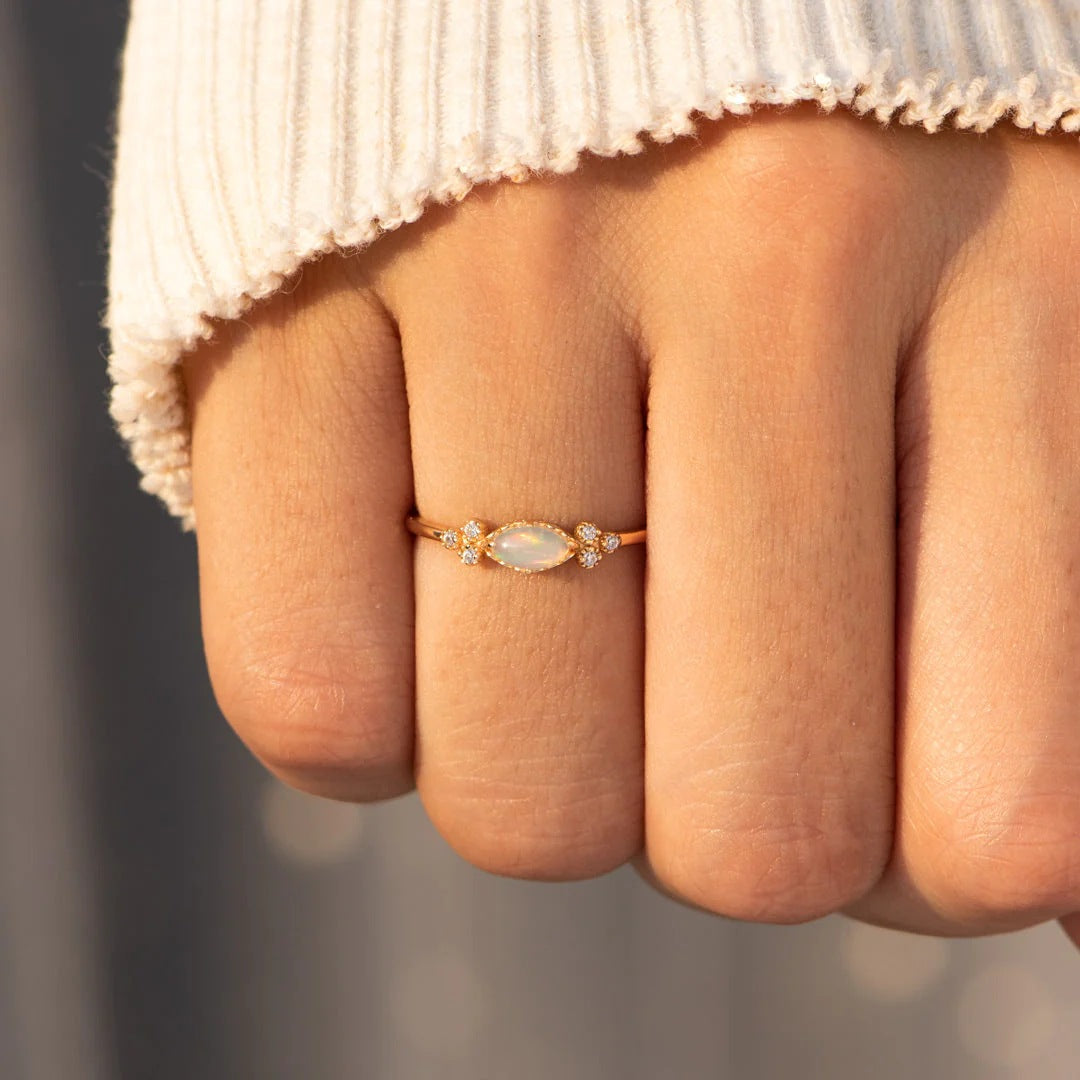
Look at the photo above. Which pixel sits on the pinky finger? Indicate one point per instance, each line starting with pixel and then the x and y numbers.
pixel 302 480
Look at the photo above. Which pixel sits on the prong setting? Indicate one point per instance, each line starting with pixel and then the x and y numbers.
pixel 468 541
pixel 592 543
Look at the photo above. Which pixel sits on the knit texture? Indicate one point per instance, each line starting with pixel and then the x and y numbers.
pixel 255 134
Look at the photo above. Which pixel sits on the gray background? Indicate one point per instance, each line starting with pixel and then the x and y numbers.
pixel 167 910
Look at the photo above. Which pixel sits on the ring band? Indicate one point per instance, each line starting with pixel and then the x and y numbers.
pixel 526 546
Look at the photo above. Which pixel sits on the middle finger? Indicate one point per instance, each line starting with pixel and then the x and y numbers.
pixel 769 670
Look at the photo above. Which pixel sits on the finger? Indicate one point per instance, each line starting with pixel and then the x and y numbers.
pixel 525 404
pixel 769 604
pixel 301 478
pixel 989 610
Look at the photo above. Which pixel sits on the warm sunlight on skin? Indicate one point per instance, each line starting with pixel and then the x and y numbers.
pixel 835 369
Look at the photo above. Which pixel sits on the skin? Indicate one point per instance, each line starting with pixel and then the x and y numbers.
pixel 835 367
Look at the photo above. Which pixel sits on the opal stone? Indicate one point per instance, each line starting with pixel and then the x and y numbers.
pixel 530 547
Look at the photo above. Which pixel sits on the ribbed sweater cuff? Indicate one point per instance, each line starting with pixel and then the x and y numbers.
pixel 253 134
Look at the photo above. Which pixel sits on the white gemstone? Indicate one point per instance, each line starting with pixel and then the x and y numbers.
pixel 470 556
pixel 530 547
pixel 449 538
pixel 473 530
pixel 611 542
pixel 589 533
pixel 589 559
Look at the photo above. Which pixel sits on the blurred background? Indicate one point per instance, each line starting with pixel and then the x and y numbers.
pixel 169 911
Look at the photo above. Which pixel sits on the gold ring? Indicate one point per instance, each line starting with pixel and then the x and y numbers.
pixel 526 546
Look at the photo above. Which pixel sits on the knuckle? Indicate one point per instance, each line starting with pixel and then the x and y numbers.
pixel 814 210
pixel 1032 260
pixel 506 236
pixel 1040 233
pixel 319 723
pixel 791 873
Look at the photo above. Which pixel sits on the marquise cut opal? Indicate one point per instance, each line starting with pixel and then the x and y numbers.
pixel 530 547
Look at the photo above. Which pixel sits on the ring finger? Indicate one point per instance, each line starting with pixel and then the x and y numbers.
pixel 525 403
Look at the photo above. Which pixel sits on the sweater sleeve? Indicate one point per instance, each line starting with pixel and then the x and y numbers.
pixel 254 134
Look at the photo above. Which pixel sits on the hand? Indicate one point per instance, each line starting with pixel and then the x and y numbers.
pixel 837 369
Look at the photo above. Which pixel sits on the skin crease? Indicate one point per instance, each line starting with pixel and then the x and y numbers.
pixel 834 365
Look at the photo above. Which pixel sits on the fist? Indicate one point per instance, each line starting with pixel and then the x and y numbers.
pixel 835 368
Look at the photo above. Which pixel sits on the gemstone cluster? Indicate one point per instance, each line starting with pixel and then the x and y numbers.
pixel 530 546
pixel 593 544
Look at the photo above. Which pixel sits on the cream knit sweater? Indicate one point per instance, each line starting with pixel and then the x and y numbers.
pixel 253 134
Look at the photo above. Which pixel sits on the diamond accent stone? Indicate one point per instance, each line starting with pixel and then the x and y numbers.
pixel 589 559
pixel 611 542
pixel 470 556
pixel 449 538
pixel 472 530
pixel 588 532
